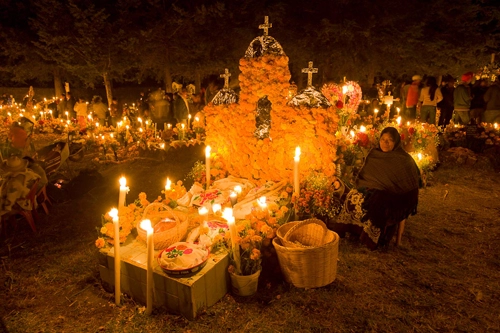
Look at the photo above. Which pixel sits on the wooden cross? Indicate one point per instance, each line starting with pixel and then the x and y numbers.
pixel 226 76
pixel 309 70
pixel 266 25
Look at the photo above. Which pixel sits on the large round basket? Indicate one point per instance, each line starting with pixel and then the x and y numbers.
pixel 311 267
pixel 165 238
pixel 307 233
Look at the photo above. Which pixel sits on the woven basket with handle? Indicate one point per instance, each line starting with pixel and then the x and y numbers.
pixel 165 238
pixel 309 267
pixel 308 233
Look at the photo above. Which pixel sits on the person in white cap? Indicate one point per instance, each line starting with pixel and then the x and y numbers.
pixel 412 97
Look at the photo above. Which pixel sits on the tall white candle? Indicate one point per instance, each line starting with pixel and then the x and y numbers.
pixel 146 225
pixel 228 216
pixel 207 163
pixel 296 184
pixel 123 193
pixel 189 121
pixel 114 214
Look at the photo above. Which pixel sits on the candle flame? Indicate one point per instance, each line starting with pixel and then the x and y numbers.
pixel 227 214
pixel 297 154
pixel 139 119
pixel 168 185
pixel 362 129
pixel 419 156
pixel 399 120
pixel 352 134
pixel 207 151
pixel 217 207
pixel 113 213
pixel 262 201
pixel 238 189
pixel 495 125
pixel 123 182
pixel 233 194
pixel 189 116
pixel 146 225
pixel 196 118
pixel 202 210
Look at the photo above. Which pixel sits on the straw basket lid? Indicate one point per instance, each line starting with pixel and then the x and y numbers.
pixel 14 164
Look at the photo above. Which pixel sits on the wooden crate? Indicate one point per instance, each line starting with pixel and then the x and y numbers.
pixel 187 296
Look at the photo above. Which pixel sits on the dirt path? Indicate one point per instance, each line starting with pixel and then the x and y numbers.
pixel 445 277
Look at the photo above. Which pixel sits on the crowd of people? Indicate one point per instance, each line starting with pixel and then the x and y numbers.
pixel 463 102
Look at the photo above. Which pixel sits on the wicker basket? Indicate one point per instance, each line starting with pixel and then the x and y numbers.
pixel 307 233
pixel 165 238
pixel 312 267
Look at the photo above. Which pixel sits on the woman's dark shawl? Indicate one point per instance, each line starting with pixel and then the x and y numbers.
pixel 391 181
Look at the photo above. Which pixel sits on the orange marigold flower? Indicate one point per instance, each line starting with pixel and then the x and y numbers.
pixel 100 242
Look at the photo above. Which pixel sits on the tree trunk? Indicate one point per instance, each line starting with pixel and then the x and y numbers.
pixel 168 73
pixel 371 76
pixel 58 87
pixel 197 81
pixel 109 88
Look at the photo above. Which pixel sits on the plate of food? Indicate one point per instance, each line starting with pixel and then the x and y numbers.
pixel 183 259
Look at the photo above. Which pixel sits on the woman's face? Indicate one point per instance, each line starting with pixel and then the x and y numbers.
pixel 386 142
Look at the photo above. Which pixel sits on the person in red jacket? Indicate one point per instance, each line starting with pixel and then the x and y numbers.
pixel 412 97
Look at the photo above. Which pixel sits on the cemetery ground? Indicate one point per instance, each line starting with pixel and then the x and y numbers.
pixel 444 278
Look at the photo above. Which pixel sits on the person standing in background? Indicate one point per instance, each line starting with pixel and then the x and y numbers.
pixel 492 99
pixel 412 97
pixel 115 112
pixel 478 104
pixel 462 100
pixel 81 113
pixel 446 105
pixel 429 97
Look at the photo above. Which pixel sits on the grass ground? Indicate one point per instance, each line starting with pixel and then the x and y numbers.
pixel 444 278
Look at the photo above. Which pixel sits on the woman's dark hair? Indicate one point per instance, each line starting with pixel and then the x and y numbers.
pixel 432 83
pixel 394 134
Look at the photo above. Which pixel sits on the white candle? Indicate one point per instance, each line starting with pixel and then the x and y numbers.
pixel 114 214
pixel 228 216
pixel 233 197
pixel 398 120
pixel 296 184
pixel 67 115
pixel 146 225
pixel 123 193
pixel 189 121
pixel 207 163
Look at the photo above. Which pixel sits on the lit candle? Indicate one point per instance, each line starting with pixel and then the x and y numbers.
pixel 352 134
pixel 262 201
pixel 375 115
pixel 168 185
pixel 419 156
pixel 207 163
pixel 296 184
pixel 233 197
pixel 397 109
pixel 398 120
pixel 114 215
pixel 362 129
pixel 203 211
pixel 495 125
pixel 67 115
pixel 216 208
pixel 183 126
pixel 228 216
pixel 146 225
pixel 189 121
pixel 123 193
pixel 407 123
pixel 238 189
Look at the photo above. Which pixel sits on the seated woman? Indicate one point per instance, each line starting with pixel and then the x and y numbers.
pixel 386 193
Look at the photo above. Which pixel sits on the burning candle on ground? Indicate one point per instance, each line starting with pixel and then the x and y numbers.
pixel 296 184
pixel 228 216
pixel 262 201
pixel 207 164
pixel 399 121
pixel 67 115
pixel 189 121
pixel 123 193
pixel 114 215
pixel 146 225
